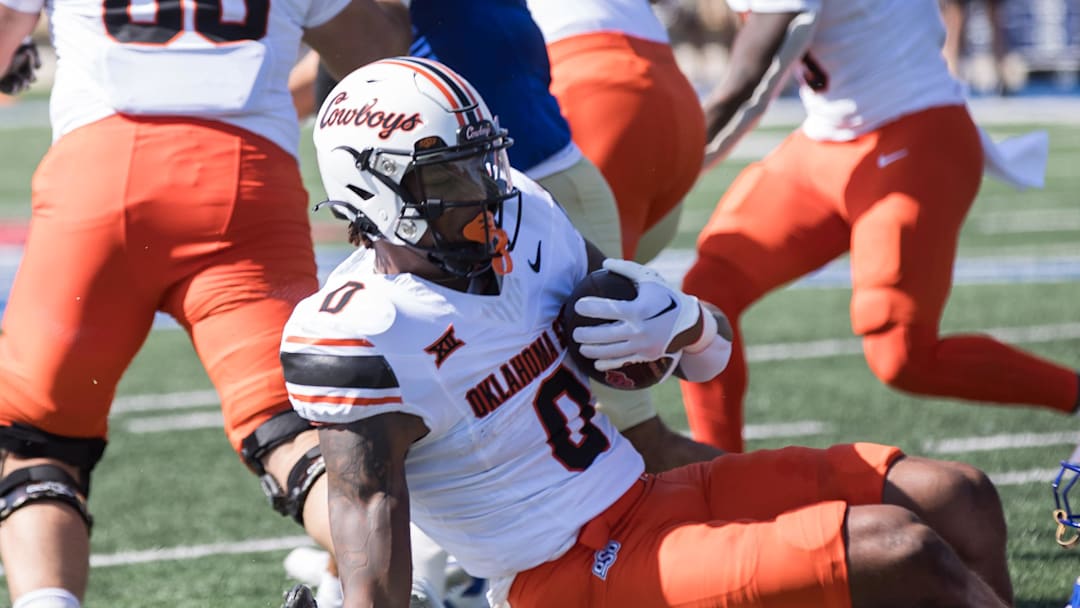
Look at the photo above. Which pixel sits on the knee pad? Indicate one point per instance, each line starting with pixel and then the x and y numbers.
pixel 304 473
pixel 43 482
pixel 48 482
pixel 28 442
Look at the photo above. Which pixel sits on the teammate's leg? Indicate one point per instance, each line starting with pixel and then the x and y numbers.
pixel 76 317
pixel 611 88
pixel 582 191
pixel 771 226
pixel 906 221
pixel 234 301
pixel 954 15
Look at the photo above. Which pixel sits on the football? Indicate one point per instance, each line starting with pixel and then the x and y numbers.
pixel 630 377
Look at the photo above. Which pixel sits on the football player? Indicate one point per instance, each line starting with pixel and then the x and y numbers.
pixel 469 36
pixel 434 366
pixel 172 185
pixel 497 46
pixel 954 13
pixel 630 108
pixel 885 166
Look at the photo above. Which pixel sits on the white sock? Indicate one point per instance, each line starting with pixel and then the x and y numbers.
pixel 49 597
pixel 329 593
pixel 307 564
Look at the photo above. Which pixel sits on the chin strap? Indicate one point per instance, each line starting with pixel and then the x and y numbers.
pixel 484 230
pixel 1066 536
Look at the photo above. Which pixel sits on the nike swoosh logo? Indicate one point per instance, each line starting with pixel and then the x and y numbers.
pixel 884 160
pixel 536 265
pixel 670 307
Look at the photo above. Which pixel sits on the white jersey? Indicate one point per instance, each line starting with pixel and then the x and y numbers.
pixel 560 19
pixel 517 459
pixel 225 60
pixel 878 60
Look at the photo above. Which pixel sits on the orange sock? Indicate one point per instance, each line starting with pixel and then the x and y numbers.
pixel 971 367
pixel 714 408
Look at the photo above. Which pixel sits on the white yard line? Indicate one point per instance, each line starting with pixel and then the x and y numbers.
pixel 1027 221
pixel 164 401
pixel 800 428
pixel 1019 478
pixel 177 422
pixel 1010 441
pixel 835 347
pixel 167 554
pixel 781 430
pixel 260 545
pixel 1056 263
pixel 213 420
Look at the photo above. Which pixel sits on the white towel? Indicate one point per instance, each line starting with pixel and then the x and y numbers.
pixel 1019 161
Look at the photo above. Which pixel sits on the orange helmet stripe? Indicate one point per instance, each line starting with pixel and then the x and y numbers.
pixel 457 93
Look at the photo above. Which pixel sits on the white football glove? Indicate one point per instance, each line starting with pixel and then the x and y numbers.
pixel 640 329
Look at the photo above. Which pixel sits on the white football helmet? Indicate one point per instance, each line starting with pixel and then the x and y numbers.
pixel 398 126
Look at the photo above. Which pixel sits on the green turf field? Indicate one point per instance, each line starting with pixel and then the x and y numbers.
pixel 180 522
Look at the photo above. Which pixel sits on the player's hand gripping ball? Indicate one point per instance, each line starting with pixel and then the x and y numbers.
pixel 631 376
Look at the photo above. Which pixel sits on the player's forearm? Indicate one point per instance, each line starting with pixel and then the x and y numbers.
pixel 372 550
pixel 755 48
pixel 361 33
pixel 369 506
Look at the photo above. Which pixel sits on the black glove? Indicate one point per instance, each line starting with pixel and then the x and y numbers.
pixel 20 74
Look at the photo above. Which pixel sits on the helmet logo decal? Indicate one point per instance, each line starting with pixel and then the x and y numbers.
pixel 430 142
pixel 476 130
pixel 337 115
pixel 484 230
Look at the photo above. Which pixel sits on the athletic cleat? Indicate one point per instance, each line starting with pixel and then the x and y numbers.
pixel 462 589
pixel 299 597
pixel 419 600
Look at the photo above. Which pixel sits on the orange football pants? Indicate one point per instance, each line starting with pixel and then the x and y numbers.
pixel 896 198
pixel 635 116
pixel 201 220
pixel 760 530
